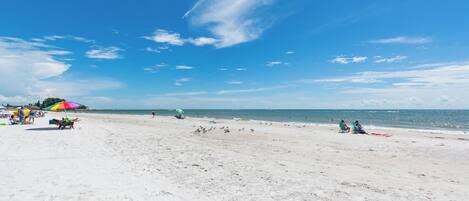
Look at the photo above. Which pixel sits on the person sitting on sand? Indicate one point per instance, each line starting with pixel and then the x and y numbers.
pixel 13 120
pixel 179 116
pixel 357 128
pixel 343 127
pixel 32 116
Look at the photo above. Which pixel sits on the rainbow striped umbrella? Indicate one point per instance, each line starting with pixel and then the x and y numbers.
pixel 64 105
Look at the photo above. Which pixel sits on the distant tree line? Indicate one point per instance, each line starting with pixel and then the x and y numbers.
pixel 45 103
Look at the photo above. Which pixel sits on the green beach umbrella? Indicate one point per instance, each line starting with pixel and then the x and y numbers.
pixel 180 111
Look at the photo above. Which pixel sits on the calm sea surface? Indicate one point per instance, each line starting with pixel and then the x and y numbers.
pixel 457 120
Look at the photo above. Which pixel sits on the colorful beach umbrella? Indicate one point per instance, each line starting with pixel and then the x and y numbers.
pixel 64 105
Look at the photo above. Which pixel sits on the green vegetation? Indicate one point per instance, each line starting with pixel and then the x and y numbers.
pixel 44 104
pixel 49 101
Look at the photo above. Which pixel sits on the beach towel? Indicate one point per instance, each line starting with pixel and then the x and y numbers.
pixel 380 134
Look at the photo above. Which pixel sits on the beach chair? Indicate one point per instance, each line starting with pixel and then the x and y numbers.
pixel 343 128
pixel 66 123
pixel 179 116
pixel 63 124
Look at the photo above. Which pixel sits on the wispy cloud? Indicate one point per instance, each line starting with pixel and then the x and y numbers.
pixel 435 86
pixel 104 53
pixel 238 91
pixel 403 40
pixel 290 52
pixel 275 63
pixel 231 21
pixel 53 37
pixel 241 69
pixel 347 60
pixel 82 39
pixel 58 52
pixel 201 41
pixel 155 68
pixel 183 67
pixel 234 82
pixel 379 59
pixel 42 74
pixel 429 77
pixel 149 49
pixel 59 37
pixel 193 93
pixel 223 69
pixel 181 81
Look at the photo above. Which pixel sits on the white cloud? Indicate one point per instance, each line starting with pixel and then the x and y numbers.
pixel 380 59
pixel 241 69
pixel 275 63
pixel 30 71
pixel 161 65
pixel 201 41
pixel 181 81
pixel 104 53
pixel 234 82
pixel 167 37
pixel 231 21
pixel 403 40
pixel 183 67
pixel 26 60
pixel 174 38
pixel 290 52
pixel 347 60
pixel 223 69
pixel 149 49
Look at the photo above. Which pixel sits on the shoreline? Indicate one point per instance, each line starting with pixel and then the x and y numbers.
pixel 419 130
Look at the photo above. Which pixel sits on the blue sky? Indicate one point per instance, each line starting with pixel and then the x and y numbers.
pixel 237 53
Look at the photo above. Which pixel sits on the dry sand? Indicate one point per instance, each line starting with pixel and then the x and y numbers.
pixel 123 157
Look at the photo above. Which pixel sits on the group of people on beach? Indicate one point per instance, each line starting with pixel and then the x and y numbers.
pixel 357 128
pixel 24 116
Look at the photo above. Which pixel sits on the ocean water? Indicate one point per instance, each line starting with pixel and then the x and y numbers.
pixel 453 120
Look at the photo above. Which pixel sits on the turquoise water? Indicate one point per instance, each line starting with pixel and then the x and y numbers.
pixel 457 120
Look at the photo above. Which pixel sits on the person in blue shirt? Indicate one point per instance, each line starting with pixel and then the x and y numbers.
pixel 21 114
pixel 357 128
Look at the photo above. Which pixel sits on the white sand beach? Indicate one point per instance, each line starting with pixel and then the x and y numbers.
pixel 123 157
